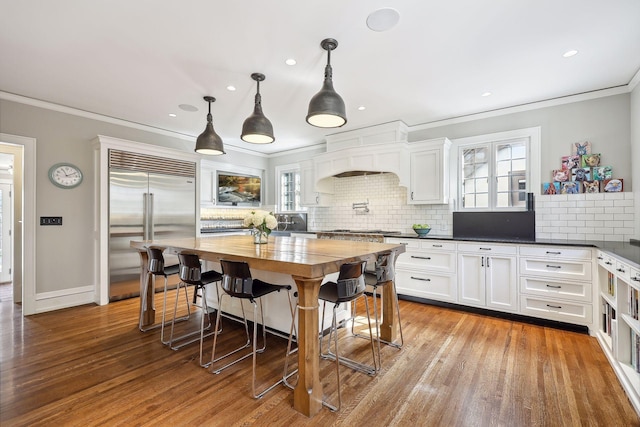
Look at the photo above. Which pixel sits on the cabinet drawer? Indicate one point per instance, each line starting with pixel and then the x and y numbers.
pixel 606 261
pixel 575 270
pixel 562 311
pixel 634 277
pixel 428 244
pixel 573 291
pixel 623 271
pixel 432 261
pixel 488 249
pixel 435 286
pixel 551 252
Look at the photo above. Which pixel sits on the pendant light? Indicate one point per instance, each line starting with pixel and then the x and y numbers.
pixel 326 108
pixel 257 129
pixel 209 142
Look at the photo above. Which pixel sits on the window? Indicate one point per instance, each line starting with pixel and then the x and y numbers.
pixel 496 171
pixel 289 188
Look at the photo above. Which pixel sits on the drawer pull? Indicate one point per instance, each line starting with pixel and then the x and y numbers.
pixel 436 246
pixel 621 270
pixel 485 249
pixel 608 262
pixel 554 306
pixel 420 257
pixel 420 278
pixel 554 266
pixel 554 286
pixel 635 279
pixel 600 257
pixel 554 253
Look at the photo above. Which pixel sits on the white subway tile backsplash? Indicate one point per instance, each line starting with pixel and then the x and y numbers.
pixel 599 216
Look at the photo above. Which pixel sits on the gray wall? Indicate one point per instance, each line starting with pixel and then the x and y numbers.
pixel 64 255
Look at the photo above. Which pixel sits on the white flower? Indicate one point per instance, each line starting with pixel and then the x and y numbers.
pixel 261 220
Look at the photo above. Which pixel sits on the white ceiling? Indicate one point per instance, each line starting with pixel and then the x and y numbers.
pixel 138 60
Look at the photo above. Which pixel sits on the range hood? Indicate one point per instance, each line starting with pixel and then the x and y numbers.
pixel 372 150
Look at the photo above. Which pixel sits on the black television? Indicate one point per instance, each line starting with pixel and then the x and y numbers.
pixel 239 190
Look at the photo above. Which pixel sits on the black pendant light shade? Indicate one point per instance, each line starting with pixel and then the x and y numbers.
pixel 326 108
pixel 257 129
pixel 209 142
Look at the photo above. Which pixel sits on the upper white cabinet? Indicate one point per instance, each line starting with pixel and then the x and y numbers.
pixel 429 182
pixel 207 186
pixel 309 196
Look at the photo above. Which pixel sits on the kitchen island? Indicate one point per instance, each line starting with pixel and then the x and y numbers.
pixel 308 261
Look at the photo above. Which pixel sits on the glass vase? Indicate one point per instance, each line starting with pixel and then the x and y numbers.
pixel 260 237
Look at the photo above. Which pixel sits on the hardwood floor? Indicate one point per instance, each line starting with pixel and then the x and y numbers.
pixel 90 366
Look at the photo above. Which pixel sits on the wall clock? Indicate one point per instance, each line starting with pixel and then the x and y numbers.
pixel 65 175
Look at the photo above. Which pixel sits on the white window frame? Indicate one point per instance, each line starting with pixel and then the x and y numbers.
pixel 279 170
pixel 532 134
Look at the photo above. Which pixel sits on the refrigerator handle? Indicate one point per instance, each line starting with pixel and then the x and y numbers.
pixel 151 219
pixel 145 216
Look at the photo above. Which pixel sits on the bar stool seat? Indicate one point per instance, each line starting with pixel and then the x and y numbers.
pixel 238 283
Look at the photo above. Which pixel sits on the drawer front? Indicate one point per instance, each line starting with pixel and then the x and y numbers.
pixel 606 261
pixel 428 244
pixel 575 270
pixel 562 311
pixel 623 270
pixel 551 252
pixel 572 291
pixel 439 287
pixel 488 249
pixel 634 277
pixel 432 261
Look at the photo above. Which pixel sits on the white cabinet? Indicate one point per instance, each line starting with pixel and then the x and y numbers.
pixel 429 177
pixel 207 186
pixel 618 330
pixel 427 269
pixel 308 194
pixel 487 276
pixel 555 283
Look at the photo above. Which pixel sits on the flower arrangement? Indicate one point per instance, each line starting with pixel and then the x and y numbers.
pixel 262 222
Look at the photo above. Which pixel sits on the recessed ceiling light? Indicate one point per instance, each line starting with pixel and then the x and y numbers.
pixel 188 107
pixel 362 107
pixel 290 61
pixel 172 115
pixel 486 94
pixel 570 53
pixel 383 19
pixel 231 88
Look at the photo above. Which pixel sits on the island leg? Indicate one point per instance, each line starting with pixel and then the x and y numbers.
pixel 147 308
pixel 307 395
pixel 390 319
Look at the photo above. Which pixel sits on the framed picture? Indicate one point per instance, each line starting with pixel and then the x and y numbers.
pixel 570 187
pixel 551 188
pixel 600 173
pixel 570 162
pixel 238 190
pixel 591 186
pixel 612 185
pixel 581 148
pixel 590 160
pixel 561 175
pixel 581 174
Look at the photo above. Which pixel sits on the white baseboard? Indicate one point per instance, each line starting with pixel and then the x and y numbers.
pixel 55 300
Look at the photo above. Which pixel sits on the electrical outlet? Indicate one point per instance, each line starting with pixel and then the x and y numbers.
pixel 50 220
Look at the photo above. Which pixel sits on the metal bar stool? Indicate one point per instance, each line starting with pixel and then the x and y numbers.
pixel 383 275
pixel 156 267
pixel 191 274
pixel 238 283
pixel 349 286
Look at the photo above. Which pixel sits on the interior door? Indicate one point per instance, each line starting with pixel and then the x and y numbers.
pixel 6 242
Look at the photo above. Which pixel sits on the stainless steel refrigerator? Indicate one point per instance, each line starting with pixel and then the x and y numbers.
pixel 143 205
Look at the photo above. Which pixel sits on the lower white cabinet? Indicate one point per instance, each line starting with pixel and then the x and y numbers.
pixel 555 283
pixel 427 269
pixel 487 276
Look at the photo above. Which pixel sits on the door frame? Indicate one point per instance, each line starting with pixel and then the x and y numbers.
pixel 27 171
pixel 7 236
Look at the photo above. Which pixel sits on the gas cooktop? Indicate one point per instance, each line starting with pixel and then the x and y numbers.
pixel 363 231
